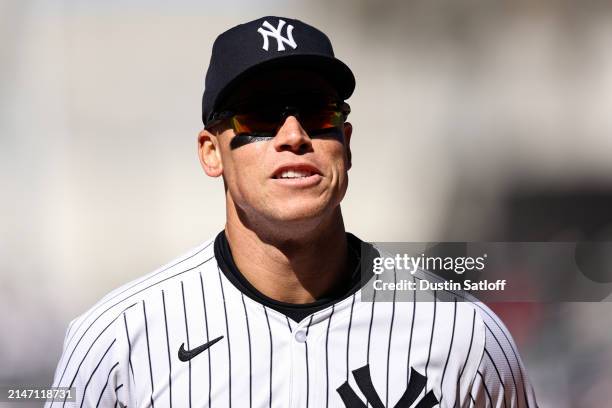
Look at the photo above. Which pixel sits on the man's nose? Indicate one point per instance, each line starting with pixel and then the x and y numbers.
pixel 292 136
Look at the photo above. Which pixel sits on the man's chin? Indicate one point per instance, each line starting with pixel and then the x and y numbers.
pixel 297 214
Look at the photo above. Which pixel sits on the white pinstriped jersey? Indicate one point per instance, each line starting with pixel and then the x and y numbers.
pixel 124 350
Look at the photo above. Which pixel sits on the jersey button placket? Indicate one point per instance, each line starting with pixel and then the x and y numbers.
pixel 298 367
pixel 307 376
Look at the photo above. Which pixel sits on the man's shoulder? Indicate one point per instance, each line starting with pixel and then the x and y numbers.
pixel 488 338
pixel 467 302
pixel 115 303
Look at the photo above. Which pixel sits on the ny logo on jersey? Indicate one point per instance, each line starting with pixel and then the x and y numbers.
pixel 364 382
pixel 276 33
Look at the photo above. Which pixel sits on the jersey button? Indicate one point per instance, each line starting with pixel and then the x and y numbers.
pixel 300 336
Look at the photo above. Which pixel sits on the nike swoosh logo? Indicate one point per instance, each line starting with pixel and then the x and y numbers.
pixel 186 355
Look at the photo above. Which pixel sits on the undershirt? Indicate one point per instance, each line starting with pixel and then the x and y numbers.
pixel 294 311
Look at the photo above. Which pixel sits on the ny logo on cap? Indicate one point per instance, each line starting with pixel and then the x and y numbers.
pixel 276 34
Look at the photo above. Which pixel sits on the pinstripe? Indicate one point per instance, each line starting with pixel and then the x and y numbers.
pixel 105 384
pixel 468 353
pixel 246 317
pixel 187 335
pixel 471 342
pixel 327 358
pixel 507 361
pixel 390 334
pixel 229 350
pixel 348 338
pixel 433 327
pixel 370 328
pixel 271 350
pixel 117 398
pixel 501 381
pixel 94 371
pixel 484 384
pixel 168 344
pixel 414 302
pixel 450 348
pixel 127 336
pixel 207 340
pixel 370 335
pixel 307 373
pixel 144 311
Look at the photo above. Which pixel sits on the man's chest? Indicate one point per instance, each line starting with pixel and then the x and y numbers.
pixel 239 353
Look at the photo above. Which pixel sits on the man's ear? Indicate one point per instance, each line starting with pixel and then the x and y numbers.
pixel 348 131
pixel 209 153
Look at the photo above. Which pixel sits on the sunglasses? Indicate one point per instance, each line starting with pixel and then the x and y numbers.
pixel 262 118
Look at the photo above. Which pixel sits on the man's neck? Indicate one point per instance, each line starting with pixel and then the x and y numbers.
pixel 298 270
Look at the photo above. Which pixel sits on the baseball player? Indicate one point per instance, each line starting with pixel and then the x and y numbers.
pixel 269 312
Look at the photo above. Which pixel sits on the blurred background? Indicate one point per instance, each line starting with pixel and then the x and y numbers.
pixel 473 120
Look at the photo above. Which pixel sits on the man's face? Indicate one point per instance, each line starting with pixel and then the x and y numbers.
pixel 292 176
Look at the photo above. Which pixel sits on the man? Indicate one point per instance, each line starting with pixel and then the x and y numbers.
pixel 269 313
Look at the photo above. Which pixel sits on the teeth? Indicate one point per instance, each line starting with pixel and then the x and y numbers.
pixel 295 174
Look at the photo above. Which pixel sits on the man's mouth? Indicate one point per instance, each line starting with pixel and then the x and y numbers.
pixel 295 171
pixel 291 174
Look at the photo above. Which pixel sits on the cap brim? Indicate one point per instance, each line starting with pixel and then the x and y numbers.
pixel 334 71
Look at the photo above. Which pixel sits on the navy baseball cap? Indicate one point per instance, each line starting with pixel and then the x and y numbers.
pixel 270 43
